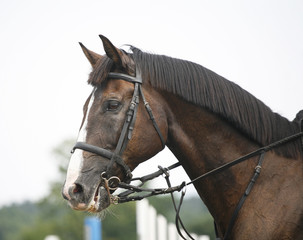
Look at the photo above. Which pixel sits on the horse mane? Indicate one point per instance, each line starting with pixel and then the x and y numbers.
pixel 203 87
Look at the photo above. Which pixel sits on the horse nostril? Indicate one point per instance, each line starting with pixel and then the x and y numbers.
pixel 75 191
pixel 77 188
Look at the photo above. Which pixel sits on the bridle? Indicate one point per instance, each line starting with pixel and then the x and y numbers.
pixel 127 129
pixel 115 157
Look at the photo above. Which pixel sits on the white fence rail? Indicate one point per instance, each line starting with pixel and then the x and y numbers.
pixel 151 226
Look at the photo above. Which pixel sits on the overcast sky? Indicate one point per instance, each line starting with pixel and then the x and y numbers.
pixel 257 44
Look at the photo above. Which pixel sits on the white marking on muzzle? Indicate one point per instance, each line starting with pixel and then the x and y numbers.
pixel 76 161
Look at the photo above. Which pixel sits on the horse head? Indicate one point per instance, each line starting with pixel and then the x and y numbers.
pixel 116 133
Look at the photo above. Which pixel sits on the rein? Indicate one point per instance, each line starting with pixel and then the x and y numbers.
pixel 111 182
pixel 131 189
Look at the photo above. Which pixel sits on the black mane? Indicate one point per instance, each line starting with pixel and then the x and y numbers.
pixel 203 87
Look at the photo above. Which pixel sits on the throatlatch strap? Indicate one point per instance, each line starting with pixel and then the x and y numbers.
pixel 152 118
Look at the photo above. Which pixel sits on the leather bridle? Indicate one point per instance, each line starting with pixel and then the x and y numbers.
pixel 125 136
pixel 127 129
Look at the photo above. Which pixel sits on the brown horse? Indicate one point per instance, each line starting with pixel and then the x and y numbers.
pixel 206 121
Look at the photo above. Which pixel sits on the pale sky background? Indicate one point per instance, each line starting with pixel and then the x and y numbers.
pixel 257 44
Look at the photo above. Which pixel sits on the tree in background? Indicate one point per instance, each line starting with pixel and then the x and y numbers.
pixel 52 216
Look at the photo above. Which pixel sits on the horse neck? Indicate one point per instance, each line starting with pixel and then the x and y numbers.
pixel 202 141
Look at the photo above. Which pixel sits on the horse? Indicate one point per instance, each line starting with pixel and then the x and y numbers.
pixel 143 102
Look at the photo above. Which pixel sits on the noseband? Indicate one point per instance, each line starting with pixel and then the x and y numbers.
pixel 127 129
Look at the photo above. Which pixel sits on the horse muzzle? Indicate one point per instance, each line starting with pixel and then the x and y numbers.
pixel 83 198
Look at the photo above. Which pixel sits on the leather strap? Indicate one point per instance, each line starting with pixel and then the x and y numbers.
pixel 125 77
pixel 93 149
pixel 125 136
pixel 248 156
pixel 244 196
pixel 152 118
pixel 127 129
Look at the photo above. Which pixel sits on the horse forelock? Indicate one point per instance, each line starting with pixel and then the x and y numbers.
pixel 100 71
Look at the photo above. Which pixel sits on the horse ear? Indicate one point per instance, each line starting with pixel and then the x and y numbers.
pixel 90 55
pixel 112 52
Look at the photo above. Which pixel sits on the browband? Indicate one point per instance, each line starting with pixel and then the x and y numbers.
pixel 125 77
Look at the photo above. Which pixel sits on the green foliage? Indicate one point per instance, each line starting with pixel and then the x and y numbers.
pixel 34 221
pixel 15 218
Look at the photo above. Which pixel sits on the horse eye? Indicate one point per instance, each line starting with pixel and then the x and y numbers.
pixel 112 105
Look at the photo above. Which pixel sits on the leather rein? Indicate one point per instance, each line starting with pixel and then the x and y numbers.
pixel 131 194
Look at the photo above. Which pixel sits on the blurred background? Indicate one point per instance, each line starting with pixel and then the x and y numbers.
pixel 256 44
